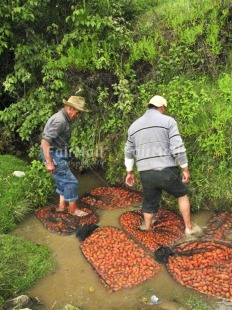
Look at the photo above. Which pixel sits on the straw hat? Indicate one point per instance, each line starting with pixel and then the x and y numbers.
pixel 77 103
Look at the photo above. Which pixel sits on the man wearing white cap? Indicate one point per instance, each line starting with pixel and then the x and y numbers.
pixel 155 143
pixel 54 153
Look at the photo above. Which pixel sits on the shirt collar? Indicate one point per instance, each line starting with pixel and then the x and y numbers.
pixel 66 115
pixel 149 111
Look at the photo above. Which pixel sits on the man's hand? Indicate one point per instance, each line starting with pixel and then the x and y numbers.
pixel 130 179
pixel 50 167
pixel 46 151
pixel 185 175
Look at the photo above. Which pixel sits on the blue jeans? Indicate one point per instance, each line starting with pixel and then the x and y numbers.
pixel 66 182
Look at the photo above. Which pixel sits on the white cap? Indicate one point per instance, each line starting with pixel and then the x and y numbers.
pixel 158 101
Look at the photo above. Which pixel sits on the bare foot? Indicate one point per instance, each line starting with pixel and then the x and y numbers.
pixel 193 230
pixel 60 209
pixel 79 213
pixel 143 226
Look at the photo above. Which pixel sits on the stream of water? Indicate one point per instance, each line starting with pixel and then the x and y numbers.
pixel 74 281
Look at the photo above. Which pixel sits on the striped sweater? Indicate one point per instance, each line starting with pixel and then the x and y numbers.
pixel 155 143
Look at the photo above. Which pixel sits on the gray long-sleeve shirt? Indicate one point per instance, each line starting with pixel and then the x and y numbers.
pixel 57 130
pixel 154 141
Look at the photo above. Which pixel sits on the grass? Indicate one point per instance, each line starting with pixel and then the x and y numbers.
pixel 20 196
pixel 22 264
pixel 14 206
pixel 196 303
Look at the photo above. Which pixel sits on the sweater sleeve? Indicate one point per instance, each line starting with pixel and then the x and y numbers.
pixel 177 147
pixel 129 163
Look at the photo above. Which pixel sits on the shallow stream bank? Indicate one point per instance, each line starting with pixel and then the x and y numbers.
pixel 75 282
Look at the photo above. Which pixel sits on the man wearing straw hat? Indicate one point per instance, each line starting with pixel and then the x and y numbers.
pixel 155 143
pixel 54 152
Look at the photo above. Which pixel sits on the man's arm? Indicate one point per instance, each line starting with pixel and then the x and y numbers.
pixel 130 178
pixel 46 151
pixel 185 174
pixel 129 162
pixel 178 151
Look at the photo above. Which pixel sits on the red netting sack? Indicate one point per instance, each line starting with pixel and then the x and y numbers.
pixel 117 259
pixel 204 266
pixel 112 198
pixel 219 226
pixel 167 228
pixel 63 223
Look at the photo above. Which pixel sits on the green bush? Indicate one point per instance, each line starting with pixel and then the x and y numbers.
pixel 7 141
pixel 38 184
pixel 12 195
pixel 20 196
pixel 119 56
pixel 22 264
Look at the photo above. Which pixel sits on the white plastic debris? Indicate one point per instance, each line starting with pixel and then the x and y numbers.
pixel 154 299
pixel 18 174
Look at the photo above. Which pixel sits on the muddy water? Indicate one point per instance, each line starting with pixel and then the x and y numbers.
pixel 73 280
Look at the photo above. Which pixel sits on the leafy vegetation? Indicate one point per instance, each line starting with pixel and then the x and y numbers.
pixel 118 55
pixel 19 196
pixel 22 263
pixel 195 302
